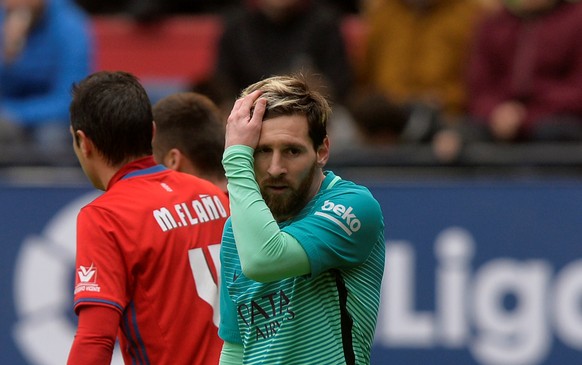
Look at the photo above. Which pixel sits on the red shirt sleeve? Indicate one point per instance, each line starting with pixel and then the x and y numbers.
pixel 101 276
pixel 95 337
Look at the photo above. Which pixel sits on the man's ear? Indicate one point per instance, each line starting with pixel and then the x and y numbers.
pixel 323 153
pixel 85 144
pixel 173 159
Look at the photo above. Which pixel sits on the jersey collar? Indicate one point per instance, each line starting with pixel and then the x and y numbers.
pixel 142 166
pixel 329 181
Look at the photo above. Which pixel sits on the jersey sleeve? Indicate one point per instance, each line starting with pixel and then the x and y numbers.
pixel 228 328
pixel 231 354
pixel 95 337
pixel 341 229
pixel 101 277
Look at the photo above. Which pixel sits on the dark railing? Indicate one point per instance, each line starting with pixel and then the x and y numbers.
pixel 27 164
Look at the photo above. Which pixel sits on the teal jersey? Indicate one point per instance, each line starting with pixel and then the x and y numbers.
pixel 328 316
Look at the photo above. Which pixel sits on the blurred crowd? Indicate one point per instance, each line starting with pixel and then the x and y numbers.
pixel 442 73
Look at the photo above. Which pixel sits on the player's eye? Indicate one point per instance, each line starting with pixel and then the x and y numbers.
pixel 294 151
pixel 262 150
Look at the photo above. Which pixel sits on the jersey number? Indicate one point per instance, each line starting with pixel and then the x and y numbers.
pixel 206 284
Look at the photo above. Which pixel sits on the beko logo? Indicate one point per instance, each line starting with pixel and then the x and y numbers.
pixel 342 216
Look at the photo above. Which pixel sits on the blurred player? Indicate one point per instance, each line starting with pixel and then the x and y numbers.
pixel 189 136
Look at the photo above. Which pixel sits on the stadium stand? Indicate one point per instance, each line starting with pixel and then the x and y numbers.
pixel 175 51
pixel 179 51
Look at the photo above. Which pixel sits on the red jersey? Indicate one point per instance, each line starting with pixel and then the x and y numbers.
pixel 149 247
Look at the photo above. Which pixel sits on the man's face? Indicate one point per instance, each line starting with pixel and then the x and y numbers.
pixel 34 5
pixel 287 168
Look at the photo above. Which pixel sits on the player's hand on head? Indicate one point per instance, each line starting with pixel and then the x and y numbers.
pixel 244 123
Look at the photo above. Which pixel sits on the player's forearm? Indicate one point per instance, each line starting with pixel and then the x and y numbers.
pixel 95 337
pixel 90 351
pixel 265 253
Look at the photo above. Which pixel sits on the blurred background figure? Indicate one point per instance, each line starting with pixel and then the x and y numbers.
pixel 263 38
pixel 45 47
pixel 189 136
pixel 272 37
pixel 413 67
pixel 525 75
pixel 377 120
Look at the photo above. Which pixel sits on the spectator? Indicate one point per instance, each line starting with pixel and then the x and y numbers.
pixel 46 47
pixel 271 37
pixel 263 38
pixel 189 136
pixel 525 74
pixel 414 61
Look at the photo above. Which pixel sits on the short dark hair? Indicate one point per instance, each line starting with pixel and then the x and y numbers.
pixel 115 112
pixel 193 124
pixel 292 95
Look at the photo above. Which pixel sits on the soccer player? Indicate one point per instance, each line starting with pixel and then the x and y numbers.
pixel 147 248
pixel 189 136
pixel 302 283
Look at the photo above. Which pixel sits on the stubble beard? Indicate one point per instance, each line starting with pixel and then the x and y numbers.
pixel 287 205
